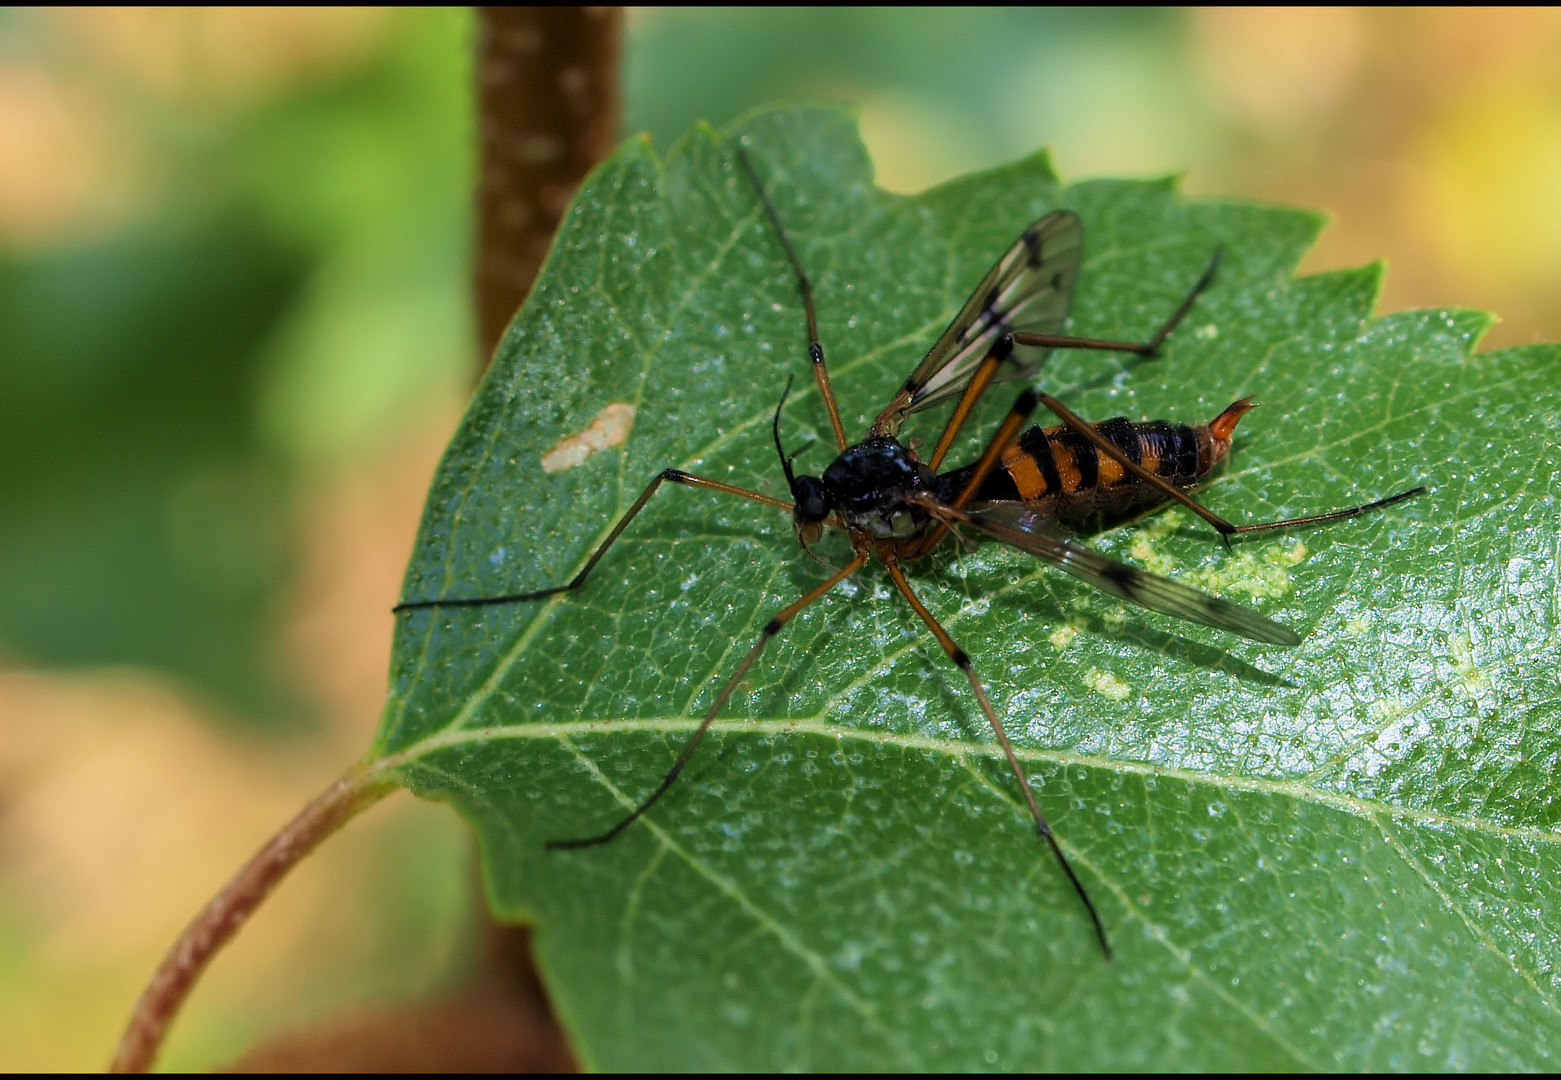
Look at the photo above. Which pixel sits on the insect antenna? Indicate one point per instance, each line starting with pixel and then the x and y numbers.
pixel 791 478
pixel 803 536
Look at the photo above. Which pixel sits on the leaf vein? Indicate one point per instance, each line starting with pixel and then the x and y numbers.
pixel 1452 905
pixel 789 941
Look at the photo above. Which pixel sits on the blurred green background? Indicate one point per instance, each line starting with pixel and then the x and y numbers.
pixel 235 331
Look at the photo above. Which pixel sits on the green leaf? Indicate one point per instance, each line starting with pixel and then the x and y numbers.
pixel 1333 856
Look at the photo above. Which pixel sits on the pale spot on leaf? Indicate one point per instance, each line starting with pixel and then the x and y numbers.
pixel 1107 685
pixel 609 428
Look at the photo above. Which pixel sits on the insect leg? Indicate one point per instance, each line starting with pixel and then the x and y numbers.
pixel 962 661
pixel 982 378
pixel 1142 348
pixel 1114 452
pixel 1332 515
pixel 815 350
pixel 967 401
pixel 772 628
pixel 676 476
pixel 1006 433
pixel 1223 527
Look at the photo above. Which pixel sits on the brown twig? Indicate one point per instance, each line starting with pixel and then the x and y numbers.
pixel 547 86
pixel 220 919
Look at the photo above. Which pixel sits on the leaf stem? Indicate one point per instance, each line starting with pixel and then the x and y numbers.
pixel 356 790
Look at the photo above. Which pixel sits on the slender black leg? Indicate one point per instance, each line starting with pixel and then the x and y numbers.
pixel 675 476
pixel 1332 515
pixel 772 628
pixel 962 661
pixel 815 349
pixel 1141 348
pixel 1223 527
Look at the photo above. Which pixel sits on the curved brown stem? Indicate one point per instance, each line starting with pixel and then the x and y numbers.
pixel 358 788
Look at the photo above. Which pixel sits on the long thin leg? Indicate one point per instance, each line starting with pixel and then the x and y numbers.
pixel 676 476
pixel 815 350
pixel 1144 348
pixel 772 628
pixel 967 401
pixel 988 370
pixel 1004 437
pixel 962 661
pixel 1223 527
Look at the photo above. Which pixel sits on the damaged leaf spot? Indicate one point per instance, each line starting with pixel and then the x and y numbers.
pixel 1107 685
pixel 608 428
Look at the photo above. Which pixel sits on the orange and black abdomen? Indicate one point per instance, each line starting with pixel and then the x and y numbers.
pixel 1060 466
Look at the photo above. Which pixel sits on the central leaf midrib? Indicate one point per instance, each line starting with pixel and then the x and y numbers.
pixel 822 971
pixel 1365 808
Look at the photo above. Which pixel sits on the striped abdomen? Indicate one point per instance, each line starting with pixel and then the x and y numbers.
pixel 1060 466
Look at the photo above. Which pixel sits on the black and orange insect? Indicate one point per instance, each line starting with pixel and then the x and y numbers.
pixel 895 506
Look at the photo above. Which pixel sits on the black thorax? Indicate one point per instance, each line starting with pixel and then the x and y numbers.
pixel 869 483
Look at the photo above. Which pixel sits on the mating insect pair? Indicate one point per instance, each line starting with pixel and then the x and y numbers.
pixel 896 506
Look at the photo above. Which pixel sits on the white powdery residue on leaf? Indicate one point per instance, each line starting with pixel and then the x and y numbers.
pixel 608 428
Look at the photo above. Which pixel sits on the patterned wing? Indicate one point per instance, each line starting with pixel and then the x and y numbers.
pixel 1021 526
pixel 1029 289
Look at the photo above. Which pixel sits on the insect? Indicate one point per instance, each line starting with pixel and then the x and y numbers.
pixel 895 506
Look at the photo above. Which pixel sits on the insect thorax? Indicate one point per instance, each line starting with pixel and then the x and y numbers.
pixel 869 483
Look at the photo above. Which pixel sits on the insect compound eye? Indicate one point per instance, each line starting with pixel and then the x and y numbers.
pixel 812 500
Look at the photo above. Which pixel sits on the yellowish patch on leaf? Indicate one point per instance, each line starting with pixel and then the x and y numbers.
pixel 1144 549
pixel 1469 671
pixel 1107 685
pixel 609 428
pixel 1357 625
pixel 1261 573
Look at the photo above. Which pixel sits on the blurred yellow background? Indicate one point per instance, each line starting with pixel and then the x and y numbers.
pixel 234 334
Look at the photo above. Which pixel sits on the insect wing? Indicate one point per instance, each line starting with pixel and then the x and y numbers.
pixel 1029 289
pixel 1022 527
